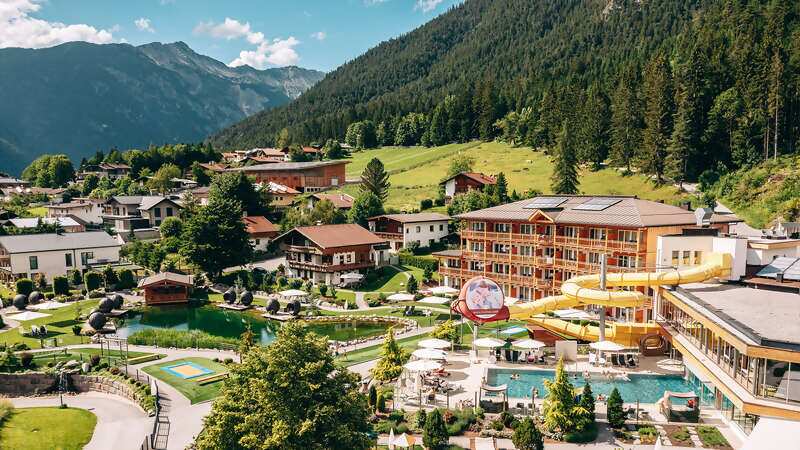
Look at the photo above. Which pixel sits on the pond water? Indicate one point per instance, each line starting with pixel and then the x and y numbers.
pixel 644 388
pixel 231 324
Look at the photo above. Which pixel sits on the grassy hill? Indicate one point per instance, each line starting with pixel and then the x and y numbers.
pixel 416 171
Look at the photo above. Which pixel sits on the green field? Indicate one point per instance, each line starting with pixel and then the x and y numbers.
pixel 416 172
pixel 47 429
pixel 193 390
pixel 59 325
pixel 391 280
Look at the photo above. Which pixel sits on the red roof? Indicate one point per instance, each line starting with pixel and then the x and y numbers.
pixel 340 201
pixel 259 225
pixel 341 235
pixel 476 176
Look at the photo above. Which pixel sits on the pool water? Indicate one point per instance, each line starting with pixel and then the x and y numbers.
pixel 644 388
pixel 231 324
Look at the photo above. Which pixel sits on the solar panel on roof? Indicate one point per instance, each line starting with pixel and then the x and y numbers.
pixel 792 272
pixel 546 202
pixel 780 264
pixel 597 204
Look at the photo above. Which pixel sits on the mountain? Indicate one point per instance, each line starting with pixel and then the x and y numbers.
pixel 522 46
pixel 77 98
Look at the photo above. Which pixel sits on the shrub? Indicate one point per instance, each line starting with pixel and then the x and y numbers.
pixel 94 360
pixel 26 359
pixel 426 204
pixel 180 339
pixel 372 399
pixel 407 259
pixel 422 415
pixel 75 277
pixel 6 409
pixel 616 416
pixel 497 425
pixel 380 403
pixel 126 281
pixel 435 435
pixel 323 289
pixel 60 285
pixel 506 417
pixel 95 294
pixel 92 280
pixel 527 436
pixel 24 286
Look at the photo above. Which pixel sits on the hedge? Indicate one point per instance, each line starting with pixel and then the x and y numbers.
pixel 417 261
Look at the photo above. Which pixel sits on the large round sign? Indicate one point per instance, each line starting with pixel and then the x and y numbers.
pixel 481 300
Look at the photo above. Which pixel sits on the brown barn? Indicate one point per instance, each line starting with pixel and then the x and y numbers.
pixel 166 288
pixel 465 182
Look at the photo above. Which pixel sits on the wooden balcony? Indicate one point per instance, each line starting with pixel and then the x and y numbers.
pixel 389 236
pixel 329 267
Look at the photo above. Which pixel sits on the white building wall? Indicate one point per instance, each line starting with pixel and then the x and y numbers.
pixel 450 188
pixel 699 247
pixel 762 257
pixel 90 212
pixel 54 263
pixel 424 235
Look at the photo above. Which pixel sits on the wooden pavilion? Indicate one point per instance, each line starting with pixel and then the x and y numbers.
pixel 166 288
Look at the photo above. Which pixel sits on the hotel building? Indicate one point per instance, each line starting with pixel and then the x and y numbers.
pixel 531 246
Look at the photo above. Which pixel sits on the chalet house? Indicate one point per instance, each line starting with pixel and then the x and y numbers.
pixel 110 170
pixel 281 197
pixel 465 182
pixel 312 152
pixel 166 288
pixel 324 253
pixel 199 193
pixel 49 255
pixel 261 231
pixel 88 210
pixel 214 167
pixel 54 195
pixel 401 230
pixel 27 224
pixel 340 201
pixel 132 212
pixel 311 176
pixel 11 182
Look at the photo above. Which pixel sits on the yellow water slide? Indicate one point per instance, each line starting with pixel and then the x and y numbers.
pixel 585 290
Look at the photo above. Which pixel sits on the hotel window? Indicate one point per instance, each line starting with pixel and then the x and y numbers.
pixel 571 232
pixel 501 268
pixel 698 258
pixel 676 258
pixel 85 257
pixel 686 255
pixel 548 274
pixel 419 228
pixel 549 251
pixel 525 293
pixel 597 234
pixel 571 254
pixel 501 248
pixel 629 236
pixel 476 246
pixel 33 261
pixel 441 227
pixel 477 226
pixel 431 228
pixel 476 265
pixel 526 250
pixel 548 230
pixel 526 228
pixel 526 271
pixel 627 261
pixel 349 257
pixel 502 227
pixel 568 275
pixel 68 259
pixel 593 258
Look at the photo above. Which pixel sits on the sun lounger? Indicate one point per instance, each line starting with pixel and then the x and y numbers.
pixel 614 360
pixel 631 360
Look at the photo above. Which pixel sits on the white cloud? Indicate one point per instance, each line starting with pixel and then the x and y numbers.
pixel 319 35
pixel 19 29
pixel 427 5
pixel 143 24
pixel 278 52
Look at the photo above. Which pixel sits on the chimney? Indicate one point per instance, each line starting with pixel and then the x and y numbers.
pixel 687 205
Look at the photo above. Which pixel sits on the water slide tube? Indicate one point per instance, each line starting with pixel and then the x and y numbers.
pixel 585 290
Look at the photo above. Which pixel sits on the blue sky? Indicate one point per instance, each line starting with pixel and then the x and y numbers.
pixel 318 34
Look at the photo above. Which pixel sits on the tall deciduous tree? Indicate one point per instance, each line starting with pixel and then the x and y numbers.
pixel 565 166
pixel 238 186
pixel 374 179
pixel 366 205
pixel 657 117
pixel 50 171
pixel 161 181
pixel 288 396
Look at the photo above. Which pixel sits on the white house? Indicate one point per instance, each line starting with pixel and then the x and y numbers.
pixel 50 255
pixel 88 210
pixel 133 212
pixel 401 230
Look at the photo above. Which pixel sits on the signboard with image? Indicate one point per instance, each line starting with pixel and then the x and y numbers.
pixel 481 300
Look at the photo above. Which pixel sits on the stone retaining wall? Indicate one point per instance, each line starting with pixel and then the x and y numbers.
pixel 37 383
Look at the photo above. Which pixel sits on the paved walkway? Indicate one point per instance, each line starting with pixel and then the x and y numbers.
pixel 121 425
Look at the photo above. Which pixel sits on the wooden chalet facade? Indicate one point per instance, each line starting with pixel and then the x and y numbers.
pixel 166 288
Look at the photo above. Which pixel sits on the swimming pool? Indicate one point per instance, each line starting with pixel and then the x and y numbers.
pixel 644 388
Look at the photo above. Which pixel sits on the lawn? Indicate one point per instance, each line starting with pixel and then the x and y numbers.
pixel 193 390
pixel 39 211
pixel 389 279
pixel 41 359
pixel 47 429
pixel 416 172
pixel 59 325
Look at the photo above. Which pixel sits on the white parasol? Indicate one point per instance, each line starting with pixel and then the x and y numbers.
pixel 444 290
pixel 529 344
pixel 488 343
pixel 422 365
pixel 433 300
pixel 400 297
pixel 606 346
pixel 433 343
pixel 429 353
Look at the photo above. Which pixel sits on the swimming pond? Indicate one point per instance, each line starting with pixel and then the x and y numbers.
pixel 231 324
pixel 641 387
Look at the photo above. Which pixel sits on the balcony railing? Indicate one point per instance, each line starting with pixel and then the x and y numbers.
pixel 543 239
pixel 329 267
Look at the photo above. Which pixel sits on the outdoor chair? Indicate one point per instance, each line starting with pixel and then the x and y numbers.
pixel 602 361
pixel 614 360
pixel 631 361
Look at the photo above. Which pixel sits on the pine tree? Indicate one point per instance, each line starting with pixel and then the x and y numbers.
pixel 559 405
pixel 435 436
pixel 657 117
pixel 527 436
pixel 392 358
pixel 438 130
pixel 615 414
pixel 565 165
pixel 501 189
pixel 593 129
pixel 375 179
pixel 486 110
pixel 585 412
pixel 412 285
pixel 625 121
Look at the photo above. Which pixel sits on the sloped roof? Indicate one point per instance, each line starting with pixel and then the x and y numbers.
pixel 414 218
pixel 627 212
pixel 277 188
pixel 28 243
pixel 32 222
pixel 176 278
pixel 153 200
pixel 288 166
pixel 259 225
pixel 340 235
pixel 341 201
pixel 477 176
